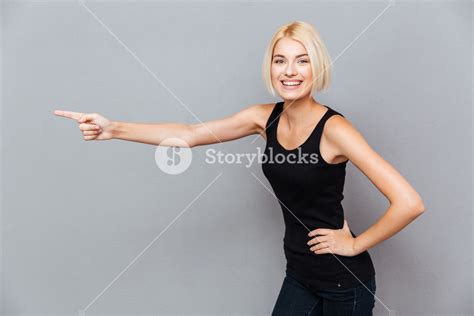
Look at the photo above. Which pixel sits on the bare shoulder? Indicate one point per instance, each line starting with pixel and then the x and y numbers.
pixel 343 138
pixel 262 109
pixel 257 114
pixel 336 121
pixel 335 132
pixel 337 127
pixel 261 114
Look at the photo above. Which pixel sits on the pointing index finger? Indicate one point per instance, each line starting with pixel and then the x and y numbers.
pixel 72 115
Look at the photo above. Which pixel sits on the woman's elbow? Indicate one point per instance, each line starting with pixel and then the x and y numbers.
pixel 417 206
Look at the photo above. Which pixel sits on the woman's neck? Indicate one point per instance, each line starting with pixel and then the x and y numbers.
pixel 297 112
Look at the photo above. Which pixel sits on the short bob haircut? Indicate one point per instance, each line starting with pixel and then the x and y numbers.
pixel 307 35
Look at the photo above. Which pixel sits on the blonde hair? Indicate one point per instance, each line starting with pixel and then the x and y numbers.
pixel 320 60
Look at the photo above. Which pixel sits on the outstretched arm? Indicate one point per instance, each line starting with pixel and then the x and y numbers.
pixel 248 121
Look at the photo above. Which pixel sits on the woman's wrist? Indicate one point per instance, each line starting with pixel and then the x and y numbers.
pixel 357 247
pixel 114 129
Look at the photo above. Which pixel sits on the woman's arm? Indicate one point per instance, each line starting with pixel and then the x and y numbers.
pixel 250 120
pixel 405 203
pixel 243 123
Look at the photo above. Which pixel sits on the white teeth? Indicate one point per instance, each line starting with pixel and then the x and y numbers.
pixel 291 83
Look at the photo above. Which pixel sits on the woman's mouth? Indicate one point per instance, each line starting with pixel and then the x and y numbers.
pixel 291 84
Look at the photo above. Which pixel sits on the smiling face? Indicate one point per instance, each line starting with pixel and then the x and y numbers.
pixel 291 72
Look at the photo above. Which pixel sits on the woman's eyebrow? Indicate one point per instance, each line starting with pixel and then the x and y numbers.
pixel 297 56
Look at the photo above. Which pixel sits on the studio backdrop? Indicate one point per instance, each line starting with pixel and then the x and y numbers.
pixel 97 228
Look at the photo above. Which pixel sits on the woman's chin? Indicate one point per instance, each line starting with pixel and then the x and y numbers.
pixel 292 95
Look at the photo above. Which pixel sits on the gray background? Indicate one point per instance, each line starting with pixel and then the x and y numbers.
pixel 76 213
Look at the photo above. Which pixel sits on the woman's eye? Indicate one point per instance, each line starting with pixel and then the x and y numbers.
pixel 279 61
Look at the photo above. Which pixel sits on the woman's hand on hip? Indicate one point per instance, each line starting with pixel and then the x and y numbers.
pixel 335 241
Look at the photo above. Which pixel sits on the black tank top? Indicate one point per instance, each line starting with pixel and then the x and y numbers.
pixel 309 191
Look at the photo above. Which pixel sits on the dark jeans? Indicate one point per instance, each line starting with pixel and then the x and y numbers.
pixel 297 299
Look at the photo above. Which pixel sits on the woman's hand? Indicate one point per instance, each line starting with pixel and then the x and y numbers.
pixel 92 125
pixel 335 241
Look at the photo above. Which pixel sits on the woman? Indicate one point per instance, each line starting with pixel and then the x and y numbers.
pixel 329 270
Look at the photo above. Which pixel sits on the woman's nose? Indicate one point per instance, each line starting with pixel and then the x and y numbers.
pixel 290 70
